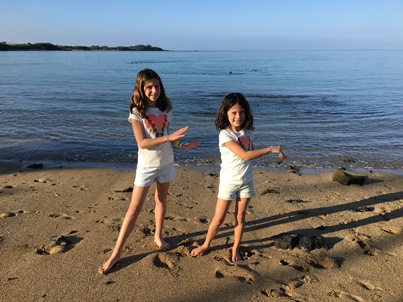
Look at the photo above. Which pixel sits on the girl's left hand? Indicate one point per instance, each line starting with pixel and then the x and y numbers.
pixel 277 149
pixel 191 145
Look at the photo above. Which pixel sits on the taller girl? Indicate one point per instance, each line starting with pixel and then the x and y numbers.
pixel 150 116
pixel 235 120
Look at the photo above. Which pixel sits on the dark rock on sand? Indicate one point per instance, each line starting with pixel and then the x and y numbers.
pixel 347 179
pixel 35 166
pixel 290 241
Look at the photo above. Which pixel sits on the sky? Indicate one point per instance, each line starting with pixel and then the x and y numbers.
pixel 206 24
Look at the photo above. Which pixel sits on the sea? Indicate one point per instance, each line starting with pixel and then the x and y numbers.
pixel 326 109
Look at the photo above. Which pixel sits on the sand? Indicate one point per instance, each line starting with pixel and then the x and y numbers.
pixel 59 224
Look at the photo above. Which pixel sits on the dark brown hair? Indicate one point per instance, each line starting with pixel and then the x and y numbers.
pixel 222 122
pixel 139 100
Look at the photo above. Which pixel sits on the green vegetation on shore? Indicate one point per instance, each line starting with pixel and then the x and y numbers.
pixel 49 46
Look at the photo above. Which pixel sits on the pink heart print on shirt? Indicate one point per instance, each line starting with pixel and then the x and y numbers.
pixel 245 142
pixel 156 124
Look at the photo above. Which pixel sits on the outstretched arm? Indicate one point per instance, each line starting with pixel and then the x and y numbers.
pixel 144 142
pixel 252 154
pixel 185 146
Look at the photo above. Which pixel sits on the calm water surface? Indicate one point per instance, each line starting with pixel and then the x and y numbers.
pixel 322 107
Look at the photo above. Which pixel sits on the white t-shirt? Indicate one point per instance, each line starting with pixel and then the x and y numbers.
pixel 235 170
pixel 156 124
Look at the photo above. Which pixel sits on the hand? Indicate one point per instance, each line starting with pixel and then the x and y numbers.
pixel 177 134
pixel 277 149
pixel 282 155
pixel 191 145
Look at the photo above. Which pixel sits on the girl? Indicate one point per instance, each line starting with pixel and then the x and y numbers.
pixel 235 120
pixel 150 115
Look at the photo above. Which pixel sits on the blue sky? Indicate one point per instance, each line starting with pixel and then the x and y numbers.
pixel 207 24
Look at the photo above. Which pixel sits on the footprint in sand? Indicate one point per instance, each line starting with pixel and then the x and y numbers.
pixel 235 270
pixel 169 261
pixel 60 244
pixel 369 286
pixel 117 198
pixel 113 224
pixel 287 288
pixel 320 261
pixel 203 220
pixel 297 265
pixel 284 292
pixel 176 218
pixel 324 262
pixel 367 248
pixel 298 282
pixel 276 293
pixel 241 272
pixel 115 227
pixel 146 230
pixel 344 295
pixel 8 189
pixel 61 215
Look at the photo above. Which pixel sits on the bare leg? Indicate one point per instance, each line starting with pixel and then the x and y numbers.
pixel 219 216
pixel 161 193
pixel 240 211
pixel 136 204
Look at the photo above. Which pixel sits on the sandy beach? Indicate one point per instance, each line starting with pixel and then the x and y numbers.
pixel 58 225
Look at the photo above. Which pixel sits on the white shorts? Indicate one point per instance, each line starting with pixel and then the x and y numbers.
pixel 145 176
pixel 233 192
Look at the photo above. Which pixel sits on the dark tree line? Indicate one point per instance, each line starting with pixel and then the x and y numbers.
pixel 49 46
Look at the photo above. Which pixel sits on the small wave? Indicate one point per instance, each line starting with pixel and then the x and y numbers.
pixel 152 62
pixel 278 96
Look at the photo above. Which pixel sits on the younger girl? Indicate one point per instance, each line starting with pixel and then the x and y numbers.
pixel 235 120
pixel 150 115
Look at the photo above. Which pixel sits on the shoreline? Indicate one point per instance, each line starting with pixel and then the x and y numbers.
pixel 9 166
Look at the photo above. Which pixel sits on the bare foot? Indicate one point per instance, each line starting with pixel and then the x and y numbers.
pixel 111 262
pixel 162 244
pixel 236 256
pixel 198 251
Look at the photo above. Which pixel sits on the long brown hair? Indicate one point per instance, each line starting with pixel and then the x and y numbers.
pixel 139 100
pixel 222 122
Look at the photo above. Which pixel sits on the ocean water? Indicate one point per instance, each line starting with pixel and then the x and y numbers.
pixel 325 108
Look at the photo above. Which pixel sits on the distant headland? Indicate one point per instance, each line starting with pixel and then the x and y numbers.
pixel 49 46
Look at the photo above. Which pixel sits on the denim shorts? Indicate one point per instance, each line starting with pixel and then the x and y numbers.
pixel 233 192
pixel 146 176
